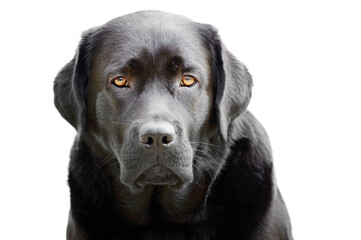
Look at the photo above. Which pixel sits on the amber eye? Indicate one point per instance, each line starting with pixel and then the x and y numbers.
pixel 188 81
pixel 120 82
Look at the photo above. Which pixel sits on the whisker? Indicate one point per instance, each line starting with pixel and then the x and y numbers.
pixel 204 143
pixel 208 153
pixel 207 146
pixel 205 169
pixel 102 162
pixel 195 166
pixel 111 165
pixel 197 183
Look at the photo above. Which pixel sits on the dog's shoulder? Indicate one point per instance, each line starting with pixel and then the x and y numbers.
pixel 252 203
pixel 243 192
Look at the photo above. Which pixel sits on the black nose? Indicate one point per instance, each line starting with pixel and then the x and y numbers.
pixel 156 135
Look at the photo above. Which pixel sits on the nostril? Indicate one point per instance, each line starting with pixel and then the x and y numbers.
pixel 165 140
pixel 149 141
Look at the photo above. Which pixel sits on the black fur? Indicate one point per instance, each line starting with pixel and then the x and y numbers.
pixel 240 198
pixel 235 174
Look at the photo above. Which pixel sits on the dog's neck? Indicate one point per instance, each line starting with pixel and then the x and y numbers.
pixel 161 203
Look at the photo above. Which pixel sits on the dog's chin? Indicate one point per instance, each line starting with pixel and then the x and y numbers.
pixel 158 176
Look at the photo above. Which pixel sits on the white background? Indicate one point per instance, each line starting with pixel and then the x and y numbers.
pixel 305 58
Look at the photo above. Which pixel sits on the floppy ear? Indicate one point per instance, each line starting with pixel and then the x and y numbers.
pixel 233 83
pixel 71 84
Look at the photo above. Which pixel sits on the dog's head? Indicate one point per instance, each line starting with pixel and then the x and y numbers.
pixel 155 91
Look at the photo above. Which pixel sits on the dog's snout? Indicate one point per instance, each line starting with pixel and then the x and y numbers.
pixel 156 135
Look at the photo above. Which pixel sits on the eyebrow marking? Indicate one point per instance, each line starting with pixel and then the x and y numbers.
pixel 175 63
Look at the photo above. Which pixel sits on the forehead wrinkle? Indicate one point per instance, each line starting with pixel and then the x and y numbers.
pixel 123 42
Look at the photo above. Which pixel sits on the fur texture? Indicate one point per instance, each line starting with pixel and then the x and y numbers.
pixel 217 152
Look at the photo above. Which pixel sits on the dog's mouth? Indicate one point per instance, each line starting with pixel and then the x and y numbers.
pixel 158 175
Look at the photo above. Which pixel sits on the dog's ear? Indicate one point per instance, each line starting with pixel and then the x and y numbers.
pixel 233 83
pixel 70 85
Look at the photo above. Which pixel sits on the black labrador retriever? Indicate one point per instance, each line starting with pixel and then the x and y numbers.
pixel 165 147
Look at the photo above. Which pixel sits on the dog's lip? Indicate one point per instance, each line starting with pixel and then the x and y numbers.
pixel 157 175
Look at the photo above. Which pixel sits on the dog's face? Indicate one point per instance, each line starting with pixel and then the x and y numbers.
pixel 149 99
pixel 155 91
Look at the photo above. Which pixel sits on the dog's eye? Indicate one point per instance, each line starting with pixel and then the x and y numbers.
pixel 120 82
pixel 188 81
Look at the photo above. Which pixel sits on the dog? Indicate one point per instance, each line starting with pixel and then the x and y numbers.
pixel 165 145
